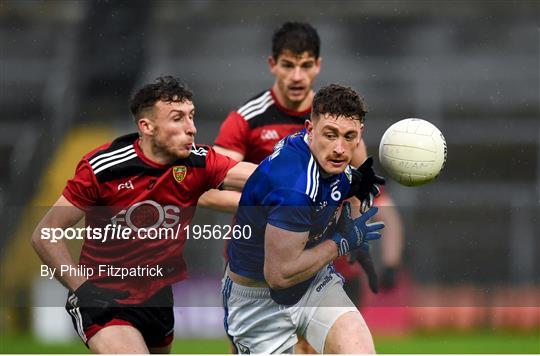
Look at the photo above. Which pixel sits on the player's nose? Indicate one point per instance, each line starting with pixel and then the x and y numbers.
pixel 297 74
pixel 191 129
pixel 339 147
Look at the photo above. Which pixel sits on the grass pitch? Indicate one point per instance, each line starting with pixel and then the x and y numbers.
pixel 430 343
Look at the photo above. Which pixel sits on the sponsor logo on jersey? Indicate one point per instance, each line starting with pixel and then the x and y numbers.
pixel 326 280
pixel 269 135
pixel 148 214
pixel 179 173
pixel 126 185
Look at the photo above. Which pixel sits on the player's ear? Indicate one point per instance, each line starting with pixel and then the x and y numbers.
pixel 361 136
pixel 318 62
pixel 272 63
pixel 145 126
pixel 309 128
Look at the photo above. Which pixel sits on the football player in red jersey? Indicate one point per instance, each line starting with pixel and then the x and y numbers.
pixel 250 133
pixel 149 179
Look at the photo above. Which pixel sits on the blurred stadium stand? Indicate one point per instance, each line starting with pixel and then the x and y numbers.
pixel 472 68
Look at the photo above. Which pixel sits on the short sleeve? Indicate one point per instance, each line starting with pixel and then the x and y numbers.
pixel 217 167
pixel 233 133
pixel 289 210
pixel 82 190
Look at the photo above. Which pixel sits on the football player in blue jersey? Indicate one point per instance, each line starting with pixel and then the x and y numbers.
pixel 280 283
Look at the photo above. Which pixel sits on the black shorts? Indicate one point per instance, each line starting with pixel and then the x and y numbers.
pixel 153 318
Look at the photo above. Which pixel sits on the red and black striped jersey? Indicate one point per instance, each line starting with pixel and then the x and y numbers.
pixel 117 185
pixel 255 127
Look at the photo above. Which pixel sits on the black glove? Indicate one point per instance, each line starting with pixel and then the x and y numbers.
pixel 364 258
pixel 365 184
pixel 91 296
pixel 389 278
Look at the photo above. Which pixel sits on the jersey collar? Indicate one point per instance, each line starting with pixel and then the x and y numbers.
pixel 285 110
pixel 145 159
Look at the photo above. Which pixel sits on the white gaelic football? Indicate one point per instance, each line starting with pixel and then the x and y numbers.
pixel 412 152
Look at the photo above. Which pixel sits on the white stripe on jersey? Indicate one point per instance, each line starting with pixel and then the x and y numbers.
pixel 253 102
pixel 111 158
pixel 316 190
pixel 115 163
pixel 315 179
pixel 110 153
pixel 254 108
pixel 312 187
pixel 199 151
pixel 260 111
pixel 308 185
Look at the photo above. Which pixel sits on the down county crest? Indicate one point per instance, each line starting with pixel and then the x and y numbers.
pixel 179 173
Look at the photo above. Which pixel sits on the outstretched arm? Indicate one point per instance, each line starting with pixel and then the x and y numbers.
pixel 222 200
pixel 237 176
pixel 237 156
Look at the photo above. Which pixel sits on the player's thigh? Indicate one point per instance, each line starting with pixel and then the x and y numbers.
pixel 255 322
pixel 324 325
pixel 118 339
pixel 349 334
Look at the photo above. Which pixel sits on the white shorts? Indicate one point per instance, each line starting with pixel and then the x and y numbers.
pixel 257 324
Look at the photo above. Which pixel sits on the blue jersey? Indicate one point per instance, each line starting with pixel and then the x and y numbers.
pixel 290 191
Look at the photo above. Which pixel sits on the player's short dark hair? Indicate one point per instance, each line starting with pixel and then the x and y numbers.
pixel 296 37
pixel 166 88
pixel 338 100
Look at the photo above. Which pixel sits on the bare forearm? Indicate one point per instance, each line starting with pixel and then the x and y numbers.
pixel 306 265
pixel 392 241
pixel 238 175
pixel 220 200
pixel 55 255
pixel 310 262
